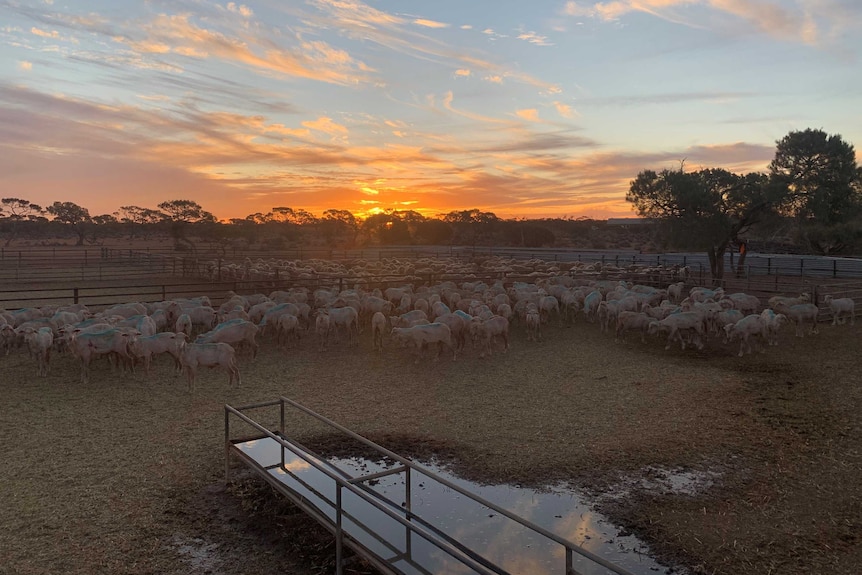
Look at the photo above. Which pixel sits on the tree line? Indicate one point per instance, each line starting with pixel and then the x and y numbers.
pixel 810 201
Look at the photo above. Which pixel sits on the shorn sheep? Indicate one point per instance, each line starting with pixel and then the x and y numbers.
pixel 841 308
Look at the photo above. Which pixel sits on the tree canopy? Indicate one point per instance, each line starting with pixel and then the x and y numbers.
pixel 708 209
pixel 822 183
pixel 72 215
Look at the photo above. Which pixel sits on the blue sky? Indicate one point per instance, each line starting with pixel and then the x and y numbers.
pixel 526 109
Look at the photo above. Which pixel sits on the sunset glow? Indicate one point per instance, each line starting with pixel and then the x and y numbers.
pixel 526 109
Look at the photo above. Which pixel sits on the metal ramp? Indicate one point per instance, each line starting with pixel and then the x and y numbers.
pixel 380 516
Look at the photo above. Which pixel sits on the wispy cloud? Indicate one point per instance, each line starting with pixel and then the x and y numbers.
pixel 25 65
pixel 808 21
pixel 534 38
pixel 430 23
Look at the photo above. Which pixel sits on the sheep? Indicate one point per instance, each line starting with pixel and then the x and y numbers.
pixel 747 304
pixel 194 355
pixel 777 300
pixel 633 320
pixel 347 319
pixel 86 346
pixel 674 291
pixel 679 325
pixel 727 317
pixel 458 326
pixel 533 322
pixel 772 322
pixel 750 326
pixel 321 328
pixel 184 325
pixel 404 319
pixel 235 332
pixel 841 308
pixel 800 314
pixel 39 342
pixel 422 335
pixel 591 305
pixel 378 328
pixel 484 331
pixel 146 347
pixel 287 326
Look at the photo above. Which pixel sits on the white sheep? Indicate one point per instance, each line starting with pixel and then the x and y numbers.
pixel 841 308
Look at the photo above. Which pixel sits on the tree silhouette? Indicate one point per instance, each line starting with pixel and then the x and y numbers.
pixel 823 182
pixel 74 216
pixel 182 214
pixel 17 211
pixel 707 209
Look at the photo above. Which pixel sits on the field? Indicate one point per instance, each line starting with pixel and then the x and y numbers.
pixel 124 474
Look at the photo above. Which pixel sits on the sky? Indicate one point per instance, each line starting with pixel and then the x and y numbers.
pixel 540 108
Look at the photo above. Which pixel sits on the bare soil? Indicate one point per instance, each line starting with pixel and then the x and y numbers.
pixel 124 474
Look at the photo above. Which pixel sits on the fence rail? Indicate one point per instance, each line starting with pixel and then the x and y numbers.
pixel 65 264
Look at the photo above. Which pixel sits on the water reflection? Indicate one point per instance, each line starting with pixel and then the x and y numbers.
pixel 493 537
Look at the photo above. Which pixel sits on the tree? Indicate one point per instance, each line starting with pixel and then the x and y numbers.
pixel 16 211
pixel 182 214
pixel 298 216
pixel 708 209
pixel 472 226
pixel 823 182
pixel 74 216
pixel 336 223
pixel 139 219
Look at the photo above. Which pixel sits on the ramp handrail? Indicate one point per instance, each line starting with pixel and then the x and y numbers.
pixel 345 480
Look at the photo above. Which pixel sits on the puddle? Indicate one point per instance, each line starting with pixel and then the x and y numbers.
pixel 661 480
pixel 492 536
pixel 202 557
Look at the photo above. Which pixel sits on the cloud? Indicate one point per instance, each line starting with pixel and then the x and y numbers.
pixel 430 23
pixel 466 27
pixel 44 34
pixel 240 9
pixel 529 114
pixel 463 73
pixel 806 21
pixel 534 38
pixel 25 65
pixel 324 124
pixel 667 98
pixel 564 110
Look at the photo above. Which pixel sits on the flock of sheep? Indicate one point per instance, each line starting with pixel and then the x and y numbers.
pixel 473 316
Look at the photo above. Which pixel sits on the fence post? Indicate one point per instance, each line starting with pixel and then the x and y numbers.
pixel 218 273
pixel 164 293
pixel 834 268
pixel 75 295
pixel 801 267
pixel 768 266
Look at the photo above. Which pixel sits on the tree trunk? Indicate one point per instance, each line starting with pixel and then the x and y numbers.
pixel 716 263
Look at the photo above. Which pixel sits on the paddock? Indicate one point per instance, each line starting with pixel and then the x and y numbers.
pixel 124 474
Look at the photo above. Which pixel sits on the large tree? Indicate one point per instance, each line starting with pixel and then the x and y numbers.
pixel 708 209
pixel 15 211
pixel 823 181
pixel 74 216
pixel 182 214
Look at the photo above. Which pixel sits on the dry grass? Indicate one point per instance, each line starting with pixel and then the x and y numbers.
pixel 123 475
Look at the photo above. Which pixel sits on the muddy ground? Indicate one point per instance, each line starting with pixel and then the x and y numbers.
pixel 124 474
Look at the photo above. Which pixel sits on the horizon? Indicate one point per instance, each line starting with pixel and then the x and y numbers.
pixel 539 110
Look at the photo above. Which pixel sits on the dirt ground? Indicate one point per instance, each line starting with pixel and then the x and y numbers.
pixel 124 474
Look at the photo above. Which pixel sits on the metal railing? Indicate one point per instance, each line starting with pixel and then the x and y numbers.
pixel 404 516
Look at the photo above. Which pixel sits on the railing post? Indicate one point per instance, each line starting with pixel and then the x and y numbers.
pixel 339 568
pixel 226 445
pixel 834 268
pixel 75 295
